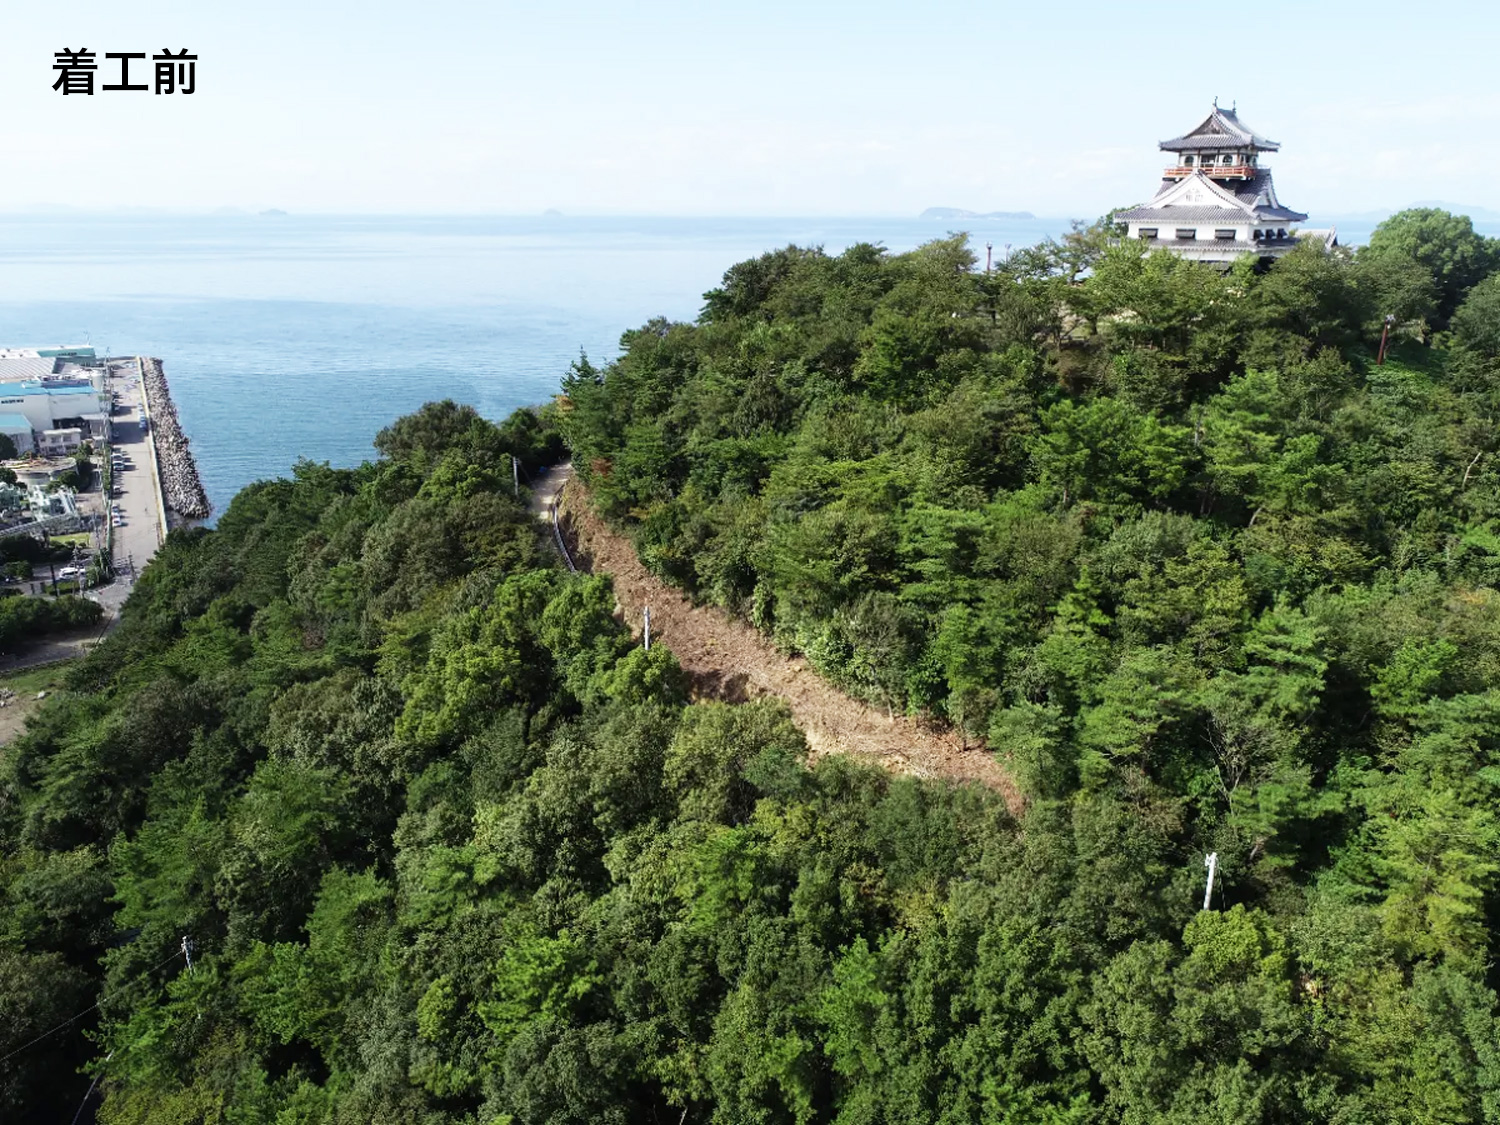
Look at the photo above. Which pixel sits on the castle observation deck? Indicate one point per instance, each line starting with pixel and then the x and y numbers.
pixel 1216 201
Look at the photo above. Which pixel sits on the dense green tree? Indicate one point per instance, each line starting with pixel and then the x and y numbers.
pixel 1476 322
pixel 1444 244
pixel 452 846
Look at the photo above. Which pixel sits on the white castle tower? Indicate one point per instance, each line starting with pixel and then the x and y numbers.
pixel 1216 202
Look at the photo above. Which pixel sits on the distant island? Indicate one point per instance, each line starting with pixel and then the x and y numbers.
pixel 960 213
pixel 273 211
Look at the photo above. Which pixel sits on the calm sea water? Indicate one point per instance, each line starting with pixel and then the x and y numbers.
pixel 293 336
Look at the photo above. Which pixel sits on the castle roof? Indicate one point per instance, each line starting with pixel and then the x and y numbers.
pixel 1201 199
pixel 1220 129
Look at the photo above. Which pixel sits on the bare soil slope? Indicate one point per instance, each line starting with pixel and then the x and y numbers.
pixel 18 696
pixel 728 659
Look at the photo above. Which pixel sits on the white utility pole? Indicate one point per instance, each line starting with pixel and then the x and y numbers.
pixel 646 616
pixel 1210 861
pixel 515 474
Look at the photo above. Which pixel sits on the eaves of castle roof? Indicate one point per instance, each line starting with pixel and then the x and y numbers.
pixel 1220 129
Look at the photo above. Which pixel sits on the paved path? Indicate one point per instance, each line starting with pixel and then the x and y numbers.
pixel 546 492
pixel 55 648
pixel 547 486
pixel 140 536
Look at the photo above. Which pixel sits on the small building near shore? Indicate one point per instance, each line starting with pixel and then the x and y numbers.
pixel 1216 201
pixel 51 505
pixel 61 442
pixel 17 427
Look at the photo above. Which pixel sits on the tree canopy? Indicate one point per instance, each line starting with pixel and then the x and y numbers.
pixel 451 848
pixel 1445 245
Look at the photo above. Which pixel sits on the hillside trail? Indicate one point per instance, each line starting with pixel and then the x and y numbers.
pixel 728 659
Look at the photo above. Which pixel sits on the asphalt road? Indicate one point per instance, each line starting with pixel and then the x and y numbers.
pixel 137 540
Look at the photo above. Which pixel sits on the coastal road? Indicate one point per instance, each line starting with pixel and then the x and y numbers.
pixel 137 541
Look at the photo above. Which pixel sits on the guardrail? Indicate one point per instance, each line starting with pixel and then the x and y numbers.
pixel 557 532
pixel 1212 171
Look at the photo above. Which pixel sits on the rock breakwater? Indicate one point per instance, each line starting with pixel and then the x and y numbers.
pixel 181 488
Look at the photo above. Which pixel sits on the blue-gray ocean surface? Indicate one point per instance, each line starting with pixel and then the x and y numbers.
pixel 289 336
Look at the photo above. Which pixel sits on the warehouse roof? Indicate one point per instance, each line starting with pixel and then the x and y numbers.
pixel 31 387
pixel 25 367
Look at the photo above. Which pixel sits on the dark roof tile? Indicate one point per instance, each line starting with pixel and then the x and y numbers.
pixel 1169 215
pixel 1220 129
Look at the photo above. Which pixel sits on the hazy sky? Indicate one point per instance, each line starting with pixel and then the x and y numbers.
pixel 807 107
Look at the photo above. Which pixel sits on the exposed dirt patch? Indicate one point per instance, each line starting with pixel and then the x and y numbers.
pixel 13 713
pixel 728 659
pixel 18 696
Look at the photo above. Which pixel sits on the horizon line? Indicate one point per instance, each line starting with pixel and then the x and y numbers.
pixel 57 211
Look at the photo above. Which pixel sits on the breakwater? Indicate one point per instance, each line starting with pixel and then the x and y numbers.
pixel 181 488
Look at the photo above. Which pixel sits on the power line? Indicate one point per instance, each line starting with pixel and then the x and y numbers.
pixel 74 1019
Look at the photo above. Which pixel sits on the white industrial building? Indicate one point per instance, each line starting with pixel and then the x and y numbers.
pixel 52 399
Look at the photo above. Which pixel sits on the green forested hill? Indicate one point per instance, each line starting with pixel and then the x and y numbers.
pixel 450 849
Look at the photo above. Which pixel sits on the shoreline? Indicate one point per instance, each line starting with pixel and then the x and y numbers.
pixel 182 489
